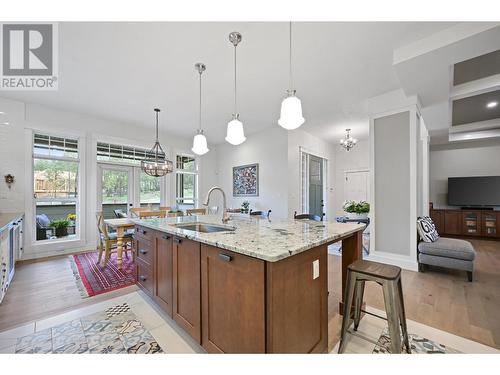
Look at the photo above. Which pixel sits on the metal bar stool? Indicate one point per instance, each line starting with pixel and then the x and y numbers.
pixel 389 277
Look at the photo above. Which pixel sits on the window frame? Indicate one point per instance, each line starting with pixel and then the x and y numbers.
pixel 177 171
pixel 58 244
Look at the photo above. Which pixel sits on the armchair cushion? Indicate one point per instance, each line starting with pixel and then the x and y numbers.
pixel 42 221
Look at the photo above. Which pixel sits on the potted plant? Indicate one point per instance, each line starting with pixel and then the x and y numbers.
pixel 356 210
pixel 245 206
pixel 60 226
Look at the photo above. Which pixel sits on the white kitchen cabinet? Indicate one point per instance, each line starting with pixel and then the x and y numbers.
pixel 11 248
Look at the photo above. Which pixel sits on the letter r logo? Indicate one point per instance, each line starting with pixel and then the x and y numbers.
pixel 27 50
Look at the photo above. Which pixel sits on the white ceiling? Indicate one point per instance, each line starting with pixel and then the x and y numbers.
pixel 121 71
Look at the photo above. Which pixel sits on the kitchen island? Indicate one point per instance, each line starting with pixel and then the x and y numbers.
pixel 248 286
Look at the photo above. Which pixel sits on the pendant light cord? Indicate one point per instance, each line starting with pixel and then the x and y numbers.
pixel 235 102
pixel 290 56
pixel 199 117
pixel 157 142
pixel 156 126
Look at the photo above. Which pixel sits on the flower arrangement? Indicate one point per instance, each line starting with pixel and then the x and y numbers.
pixel 359 208
pixel 245 206
pixel 71 217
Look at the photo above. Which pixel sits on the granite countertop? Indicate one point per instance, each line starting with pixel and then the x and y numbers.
pixel 7 218
pixel 259 238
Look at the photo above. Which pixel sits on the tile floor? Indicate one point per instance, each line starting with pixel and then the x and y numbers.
pixel 95 329
pixel 141 320
pixel 373 328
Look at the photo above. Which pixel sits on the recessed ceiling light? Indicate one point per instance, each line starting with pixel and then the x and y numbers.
pixel 5 123
pixel 2 113
pixel 491 104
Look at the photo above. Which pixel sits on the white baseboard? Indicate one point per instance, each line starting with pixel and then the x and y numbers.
pixel 51 253
pixel 404 262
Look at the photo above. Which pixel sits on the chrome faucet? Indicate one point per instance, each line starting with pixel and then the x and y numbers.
pixel 225 216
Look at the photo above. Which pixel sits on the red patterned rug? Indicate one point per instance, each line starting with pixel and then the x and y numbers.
pixel 93 279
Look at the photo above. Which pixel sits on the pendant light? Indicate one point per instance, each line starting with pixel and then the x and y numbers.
pixel 235 133
pixel 291 107
pixel 348 142
pixel 199 140
pixel 155 163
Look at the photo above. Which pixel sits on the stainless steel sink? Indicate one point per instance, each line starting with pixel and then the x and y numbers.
pixel 204 227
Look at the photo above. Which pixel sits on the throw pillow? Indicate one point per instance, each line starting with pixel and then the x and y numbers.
pixel 427 229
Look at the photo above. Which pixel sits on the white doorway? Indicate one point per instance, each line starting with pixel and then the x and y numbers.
pixel 357 185
pixel 121 187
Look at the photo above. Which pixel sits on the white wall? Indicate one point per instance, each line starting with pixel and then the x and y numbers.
pixel 356 159
pixel 473 159
pixel 269 150
pixel 316 146
pixel 15 159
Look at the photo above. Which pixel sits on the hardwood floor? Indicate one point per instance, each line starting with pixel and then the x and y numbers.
pixel 440 298
pixel 42 289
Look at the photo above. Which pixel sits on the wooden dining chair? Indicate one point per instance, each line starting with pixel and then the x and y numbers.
pixel 196 211
pixel 143 214
pixel 134 212
pixel 108 241
pixel 308 217
pixel 260 214
pixel 175 214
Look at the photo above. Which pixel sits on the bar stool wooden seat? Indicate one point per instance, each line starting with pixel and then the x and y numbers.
pixel 389 277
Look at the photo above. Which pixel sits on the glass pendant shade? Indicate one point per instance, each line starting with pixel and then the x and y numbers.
pixel 291 113
pixel 235 133
pixel 200 144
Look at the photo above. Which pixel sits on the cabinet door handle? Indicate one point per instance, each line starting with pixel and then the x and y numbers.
pixel 225 257
pixel 177 240
pixel 165 237
pixel 142 278
pixel 143 252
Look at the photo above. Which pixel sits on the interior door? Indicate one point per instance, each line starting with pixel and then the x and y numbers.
pixel 315 185
pixel 356 186
pixel 116 187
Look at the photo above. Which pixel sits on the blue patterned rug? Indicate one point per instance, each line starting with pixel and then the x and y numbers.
pixel 418 345
pixel 114 331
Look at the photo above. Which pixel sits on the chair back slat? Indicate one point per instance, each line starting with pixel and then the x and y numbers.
pixel 196 211
pixel 101 226
pixel 261 214
pixel 143 214
pixel 308 217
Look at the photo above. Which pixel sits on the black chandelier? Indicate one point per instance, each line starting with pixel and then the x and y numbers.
pixel 156 163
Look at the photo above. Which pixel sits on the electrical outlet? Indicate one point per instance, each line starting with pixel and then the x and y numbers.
pixel 315 269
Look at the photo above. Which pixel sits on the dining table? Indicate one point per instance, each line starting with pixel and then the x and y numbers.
pixel 121 226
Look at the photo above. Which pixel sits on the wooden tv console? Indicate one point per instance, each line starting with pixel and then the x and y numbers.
pixel 464 222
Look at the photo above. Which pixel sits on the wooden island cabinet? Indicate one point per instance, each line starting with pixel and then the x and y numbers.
pixel 233 303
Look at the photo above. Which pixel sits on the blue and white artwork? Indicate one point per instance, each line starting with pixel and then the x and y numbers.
pixel 246 181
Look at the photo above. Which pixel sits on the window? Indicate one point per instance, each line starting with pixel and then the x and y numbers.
pixel 186 178
pixel 129 155
pixel 122 181
pixel 55 186
pixel 149 191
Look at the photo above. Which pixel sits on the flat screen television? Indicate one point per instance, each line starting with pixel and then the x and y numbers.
pixel 474 191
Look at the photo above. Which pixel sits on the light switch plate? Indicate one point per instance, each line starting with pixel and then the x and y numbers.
pixel 316 269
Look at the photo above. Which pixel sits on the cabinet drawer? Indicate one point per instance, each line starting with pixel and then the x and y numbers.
pixel 144 250
pixel 144 276
pixel 144 233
